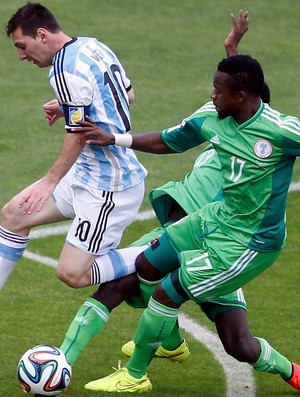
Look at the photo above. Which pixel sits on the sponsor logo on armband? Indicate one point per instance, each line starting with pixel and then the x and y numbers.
pixel 74 114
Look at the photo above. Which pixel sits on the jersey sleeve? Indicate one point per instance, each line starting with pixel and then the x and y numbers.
pixel 74 93
pixel 189 133
pixel 291 136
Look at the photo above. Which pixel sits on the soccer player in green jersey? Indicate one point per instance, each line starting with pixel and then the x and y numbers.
pixel 170 202
pixel 225 244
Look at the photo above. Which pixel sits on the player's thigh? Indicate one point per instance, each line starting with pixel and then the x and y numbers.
pixel 16 221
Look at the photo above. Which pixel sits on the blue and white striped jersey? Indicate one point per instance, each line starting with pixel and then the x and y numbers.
pixel 88 78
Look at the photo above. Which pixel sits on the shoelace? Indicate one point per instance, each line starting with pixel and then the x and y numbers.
pixel 119 366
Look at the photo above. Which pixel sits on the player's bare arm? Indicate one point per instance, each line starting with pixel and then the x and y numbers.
pixel 34 197
pixel 239 27
pixel 131 95
pixel 150 142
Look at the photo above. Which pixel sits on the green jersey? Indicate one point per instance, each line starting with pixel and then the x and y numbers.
pixel 200 187
pixel 257 159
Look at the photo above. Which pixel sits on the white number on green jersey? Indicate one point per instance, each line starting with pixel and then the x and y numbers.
pixel 237 166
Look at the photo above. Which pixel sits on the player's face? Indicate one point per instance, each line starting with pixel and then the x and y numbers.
pixel 33 49
pixel 223 97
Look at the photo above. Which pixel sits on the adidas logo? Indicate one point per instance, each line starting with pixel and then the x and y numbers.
pixel 215 139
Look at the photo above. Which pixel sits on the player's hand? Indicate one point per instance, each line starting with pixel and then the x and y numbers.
pixel 89 129
pixel 34 196
pixel 52 111
pixel 238 28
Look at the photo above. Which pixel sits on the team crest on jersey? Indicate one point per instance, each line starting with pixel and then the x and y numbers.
pixel 263 148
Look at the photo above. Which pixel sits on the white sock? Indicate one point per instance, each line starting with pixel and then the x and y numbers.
pixel 12 247
pixel 115 264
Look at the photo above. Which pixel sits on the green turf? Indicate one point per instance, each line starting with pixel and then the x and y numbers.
pixel 170 49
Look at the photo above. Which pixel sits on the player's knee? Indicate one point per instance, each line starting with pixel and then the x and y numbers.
pixel 142 265
pixel 7 215
pixel 70 279
pixel 160 295
pixel 146 270
pixel 113 293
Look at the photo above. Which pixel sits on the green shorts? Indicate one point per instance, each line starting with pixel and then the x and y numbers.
pixel 211 263
pixel 162 256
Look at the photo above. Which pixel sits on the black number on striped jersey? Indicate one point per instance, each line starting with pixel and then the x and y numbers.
pixel 82 230
pixel 115 69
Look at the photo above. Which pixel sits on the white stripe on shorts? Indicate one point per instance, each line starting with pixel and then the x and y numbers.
pixel 209 284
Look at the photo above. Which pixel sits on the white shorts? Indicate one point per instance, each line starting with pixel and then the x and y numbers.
pixel 99 217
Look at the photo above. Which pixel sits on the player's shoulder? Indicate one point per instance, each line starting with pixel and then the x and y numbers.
pixel 279 119
pixel 206 110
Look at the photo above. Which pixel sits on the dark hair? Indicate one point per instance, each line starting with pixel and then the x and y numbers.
pixel 265 94
pixel 30 17
pixel 245 74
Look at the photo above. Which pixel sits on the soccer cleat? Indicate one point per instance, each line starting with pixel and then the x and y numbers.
pixel 180 354
pixel 294 380
pixel 120 382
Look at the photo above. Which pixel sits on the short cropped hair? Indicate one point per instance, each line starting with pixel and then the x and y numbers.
pixel 266 94
pixel 245 74
pixel 30 18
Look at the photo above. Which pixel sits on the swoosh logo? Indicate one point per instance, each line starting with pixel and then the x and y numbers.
pixel 125 386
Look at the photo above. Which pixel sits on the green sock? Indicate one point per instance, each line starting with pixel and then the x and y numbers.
pixel 89 319
pixel 175 339
pixel 272 361
pixel 156 323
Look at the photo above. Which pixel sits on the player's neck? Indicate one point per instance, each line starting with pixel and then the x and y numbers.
pixel 58 41
pixel 247 112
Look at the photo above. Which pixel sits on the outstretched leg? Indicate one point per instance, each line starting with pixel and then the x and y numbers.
pixel 94 314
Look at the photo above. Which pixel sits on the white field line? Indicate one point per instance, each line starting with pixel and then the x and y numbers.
pixel 239 378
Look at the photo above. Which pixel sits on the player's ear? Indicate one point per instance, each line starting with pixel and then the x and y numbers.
pixel 241 96
pixel 41 34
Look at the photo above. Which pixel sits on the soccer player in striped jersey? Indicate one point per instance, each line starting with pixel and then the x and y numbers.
pixel 225 244
pixel 100 189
